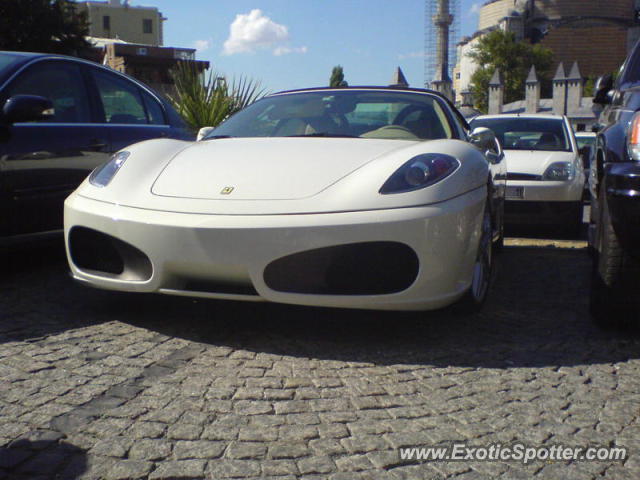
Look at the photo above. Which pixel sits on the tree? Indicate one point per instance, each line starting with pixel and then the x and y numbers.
pixel 500 50
pixel 49 26
pixel 589 86
pixel 207 101
pixel 337 77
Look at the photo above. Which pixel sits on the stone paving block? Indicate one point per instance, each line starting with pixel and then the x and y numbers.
pixel 128 469
pixel 278 468
pixel 198 449
pixel 316 464
pixel 150 449
pixel 246 450
pixel 287 450
pixel 228 468
pixel 179 470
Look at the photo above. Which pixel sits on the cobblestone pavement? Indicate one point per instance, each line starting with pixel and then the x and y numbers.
pixel 96 384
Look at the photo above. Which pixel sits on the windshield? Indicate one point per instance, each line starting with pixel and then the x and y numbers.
pixel 586 141
pixel 517 133
pixel 355 113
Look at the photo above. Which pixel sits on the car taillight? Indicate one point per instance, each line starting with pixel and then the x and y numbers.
pixel 633 137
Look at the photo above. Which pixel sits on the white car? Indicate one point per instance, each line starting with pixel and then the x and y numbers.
pixel 545 179
pixel 354 197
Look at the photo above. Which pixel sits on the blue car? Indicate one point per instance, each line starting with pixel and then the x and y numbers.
pixel 614 233
pixel 60 117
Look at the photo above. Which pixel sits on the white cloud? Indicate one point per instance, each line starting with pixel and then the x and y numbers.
pixel 404 56
pixel 202 45
pixel 252 31
pixel 286 50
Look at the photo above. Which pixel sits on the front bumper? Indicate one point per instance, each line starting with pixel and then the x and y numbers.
pixel 226 256
pixel 547 191
pixel 543 202
pixel 622 183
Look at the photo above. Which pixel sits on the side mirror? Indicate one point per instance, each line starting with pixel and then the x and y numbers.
pixel 27 108
pixel 485 140
pixel 603 89
pixel 203 132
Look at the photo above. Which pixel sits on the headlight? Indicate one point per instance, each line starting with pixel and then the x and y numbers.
pixel 420 172
pixel 560 171
pixel 633 137
pixel 102 175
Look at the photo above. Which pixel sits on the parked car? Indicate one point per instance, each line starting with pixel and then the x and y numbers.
pixel 545 176
pixel 614 233
pixel 586 142
pixel 354 197
pixel 61 117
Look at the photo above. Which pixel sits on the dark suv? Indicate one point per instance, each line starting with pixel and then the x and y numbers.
pixel 614 233
pixel 60 117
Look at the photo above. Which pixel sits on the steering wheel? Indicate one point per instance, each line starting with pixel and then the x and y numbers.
pixel 405 112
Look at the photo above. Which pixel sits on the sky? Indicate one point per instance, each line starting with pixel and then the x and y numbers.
pixel 286 44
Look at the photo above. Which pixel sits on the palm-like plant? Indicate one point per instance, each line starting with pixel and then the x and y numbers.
pixel 205 101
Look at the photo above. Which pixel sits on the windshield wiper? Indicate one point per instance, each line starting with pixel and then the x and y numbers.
pixel 216 137
pixel 324 134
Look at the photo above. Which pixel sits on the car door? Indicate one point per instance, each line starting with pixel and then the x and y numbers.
pixel 130 111
pixel 42 162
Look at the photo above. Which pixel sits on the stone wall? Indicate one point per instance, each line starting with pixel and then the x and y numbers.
pixel 491 13
pixel 598 47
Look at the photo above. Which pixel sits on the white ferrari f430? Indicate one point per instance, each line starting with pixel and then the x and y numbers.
pixel 358 197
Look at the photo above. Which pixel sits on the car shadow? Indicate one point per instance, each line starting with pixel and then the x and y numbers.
pixel 41 454
pixel 536 316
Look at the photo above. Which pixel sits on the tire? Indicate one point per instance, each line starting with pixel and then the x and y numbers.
pixel 475 297
pixel 613 298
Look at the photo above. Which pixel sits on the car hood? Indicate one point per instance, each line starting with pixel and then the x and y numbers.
pixel 534 162
pixel 265 168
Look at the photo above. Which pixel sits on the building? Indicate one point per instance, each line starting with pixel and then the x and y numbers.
pixel 129 39
pixel 567 98
pixel 595 33
pixel 119 20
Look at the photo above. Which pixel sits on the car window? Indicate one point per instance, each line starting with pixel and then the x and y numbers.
pixel 7 61
pixel 350 113
pixel 154 110
pixel 60 82
pixel 523 133
pixel 121 100
pixel 629 72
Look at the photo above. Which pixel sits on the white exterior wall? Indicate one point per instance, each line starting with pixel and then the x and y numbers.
pixel 126 22
pixel 465 67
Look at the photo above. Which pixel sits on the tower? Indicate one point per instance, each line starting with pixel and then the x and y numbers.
pixel 441 31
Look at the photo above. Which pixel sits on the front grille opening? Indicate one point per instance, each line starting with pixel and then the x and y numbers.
pixel 368 268
pixel 523 176
pixel 211 286
pixel 102 254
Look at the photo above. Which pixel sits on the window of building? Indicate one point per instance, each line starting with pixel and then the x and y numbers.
pixel 147 25
pixel 106 22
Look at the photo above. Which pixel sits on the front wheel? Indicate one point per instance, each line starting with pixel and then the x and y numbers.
pixel 613 297
pixel 474 298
